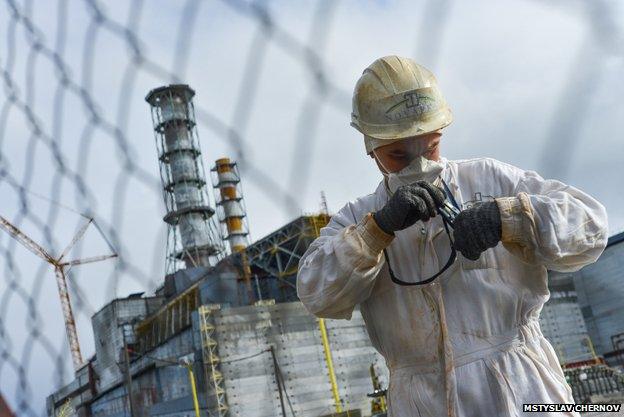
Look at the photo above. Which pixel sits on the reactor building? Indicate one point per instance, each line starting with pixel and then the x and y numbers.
pixel 225 334
pixel 584 322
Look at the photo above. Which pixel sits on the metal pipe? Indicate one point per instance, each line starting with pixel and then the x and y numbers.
pixel 278 379
pixel 330 366
pixel 128 376
pixel 189 367
pixel 591 347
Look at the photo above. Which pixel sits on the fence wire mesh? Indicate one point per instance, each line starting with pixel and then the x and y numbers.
pixel 72 145
pixel 21 86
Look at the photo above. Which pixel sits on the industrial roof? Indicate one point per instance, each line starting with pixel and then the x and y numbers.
pixel 616 239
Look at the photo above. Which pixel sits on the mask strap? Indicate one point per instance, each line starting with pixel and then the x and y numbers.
pixel 380 163
pixel 449 194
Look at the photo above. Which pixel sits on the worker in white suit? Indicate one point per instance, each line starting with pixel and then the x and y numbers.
pixel 468 342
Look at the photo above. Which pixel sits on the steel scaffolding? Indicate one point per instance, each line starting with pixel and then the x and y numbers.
pixel 214 378
pixel 193 237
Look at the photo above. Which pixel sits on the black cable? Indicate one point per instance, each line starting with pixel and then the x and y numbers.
pixel 447 221
pixel 246 357
pixel 281 376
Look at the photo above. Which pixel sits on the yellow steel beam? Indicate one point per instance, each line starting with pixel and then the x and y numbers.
pixel 591 347
pixel 189 295
pixel 330 366
pixel 189 366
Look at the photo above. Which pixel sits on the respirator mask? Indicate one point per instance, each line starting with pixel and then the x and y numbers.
pixel 404 163
pixel 420 168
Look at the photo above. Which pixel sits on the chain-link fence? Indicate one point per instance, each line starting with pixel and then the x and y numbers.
pixel 273 80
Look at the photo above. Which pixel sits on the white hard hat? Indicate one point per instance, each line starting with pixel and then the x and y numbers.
pixel 396 98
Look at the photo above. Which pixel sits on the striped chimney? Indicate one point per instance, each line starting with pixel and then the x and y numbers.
pixel 230 199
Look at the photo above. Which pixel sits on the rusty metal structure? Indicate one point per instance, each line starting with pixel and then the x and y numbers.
pixel 277 255
pixel 61 267
pixel 5 411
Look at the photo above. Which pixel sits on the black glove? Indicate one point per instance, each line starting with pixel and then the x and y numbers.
pixel 477 229
pixel 408 204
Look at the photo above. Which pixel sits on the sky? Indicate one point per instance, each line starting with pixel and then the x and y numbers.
pixel 536 84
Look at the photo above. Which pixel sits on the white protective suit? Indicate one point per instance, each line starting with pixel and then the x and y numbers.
pixel 469 344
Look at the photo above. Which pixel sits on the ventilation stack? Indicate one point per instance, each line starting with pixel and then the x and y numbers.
pixel 193 239
pixel 232 215
pixel 230 199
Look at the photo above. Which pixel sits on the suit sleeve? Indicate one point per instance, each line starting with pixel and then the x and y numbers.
pixel 550 223
pixel 338 270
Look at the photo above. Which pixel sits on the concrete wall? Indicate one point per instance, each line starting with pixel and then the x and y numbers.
pixel 243 334
pixel 108 333
pixel 600 289
pixel 251 385
pixel 562 322
pixel 157 383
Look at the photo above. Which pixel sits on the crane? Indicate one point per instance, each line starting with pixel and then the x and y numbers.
pixel 61 267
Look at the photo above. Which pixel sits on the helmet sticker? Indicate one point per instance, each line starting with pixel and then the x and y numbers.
pixel 413 103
